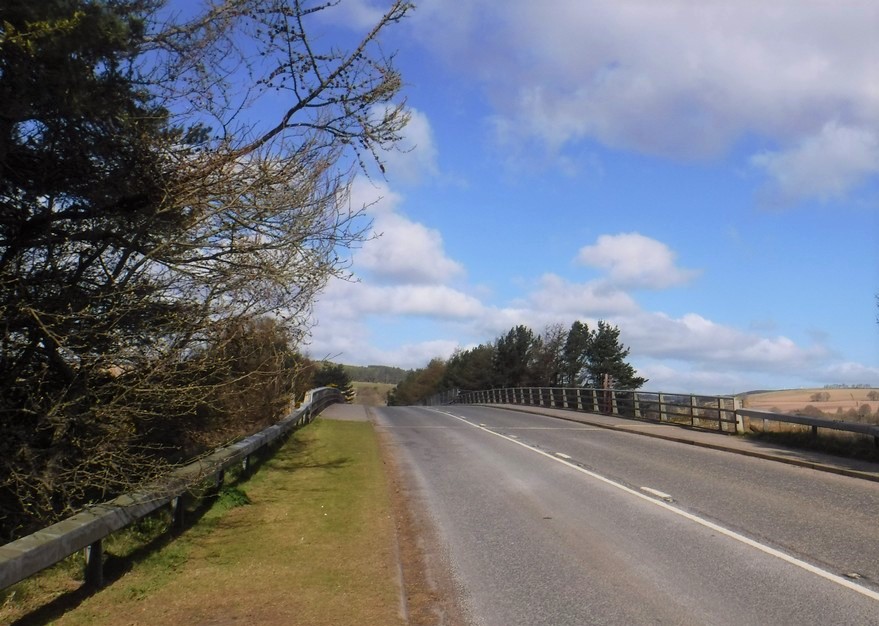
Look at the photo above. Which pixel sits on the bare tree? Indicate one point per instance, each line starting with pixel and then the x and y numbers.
pixel 155 212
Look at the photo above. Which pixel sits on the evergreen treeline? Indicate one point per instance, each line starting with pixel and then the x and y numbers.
pixel 376 373
pixel 559 357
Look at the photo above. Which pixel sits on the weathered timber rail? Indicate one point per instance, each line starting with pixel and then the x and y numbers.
pixel 86 530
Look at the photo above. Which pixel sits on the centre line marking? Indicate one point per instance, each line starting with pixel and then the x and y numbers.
pixel 787 558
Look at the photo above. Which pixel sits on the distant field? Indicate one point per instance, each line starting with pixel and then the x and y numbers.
pixel 794 399
pixel 371 394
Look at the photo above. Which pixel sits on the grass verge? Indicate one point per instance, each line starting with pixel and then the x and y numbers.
pixel 850 445
pixel 309 539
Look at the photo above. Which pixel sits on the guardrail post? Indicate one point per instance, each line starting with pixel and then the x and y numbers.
pixel 178 512
pixel 94 564
pixel 719 414
pixel 218 483
pixel 613 402
pixel 663 416
pixel 636 405
pixel 740 419
pixel 692 410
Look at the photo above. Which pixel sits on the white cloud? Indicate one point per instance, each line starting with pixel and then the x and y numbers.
pixel 406 252
pixel 430 301
pixel 694 339
pixel 375 196
pixel 403 251
pixel 825 165
pixel 669 78
pixel 415 156
pixel 635 261
pixel 577 300
pixel 359 15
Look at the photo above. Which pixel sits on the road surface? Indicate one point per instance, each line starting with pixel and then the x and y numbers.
pixel 551 522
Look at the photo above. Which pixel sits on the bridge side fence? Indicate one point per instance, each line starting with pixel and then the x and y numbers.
pixel 86 530
pixel 716 413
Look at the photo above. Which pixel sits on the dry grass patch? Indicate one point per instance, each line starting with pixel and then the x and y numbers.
pixel 372 394
pixel 314 545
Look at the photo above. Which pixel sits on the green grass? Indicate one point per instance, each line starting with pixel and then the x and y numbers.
pixel 309 539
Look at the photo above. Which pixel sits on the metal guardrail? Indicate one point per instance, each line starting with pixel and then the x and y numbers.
pixel 718 413
pixel 705 412
pixel 814 422
pixel 85 531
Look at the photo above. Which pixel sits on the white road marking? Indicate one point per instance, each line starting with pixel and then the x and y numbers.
pixel 657 493
pixel 562 455
pixel 787 558
pixel 555 428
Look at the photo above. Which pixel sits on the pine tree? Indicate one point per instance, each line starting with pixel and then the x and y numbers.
pixel 334 375
pixel 575 354
pixel 606 357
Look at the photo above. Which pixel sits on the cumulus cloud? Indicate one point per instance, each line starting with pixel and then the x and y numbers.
pixel 406 252
pixel 825 165
pixel 635 261
pixel 668 78
pixel 354 14
pixel 415 157
pixel 432 301
pixel 402 251
pixel 695 339
pixel 592 299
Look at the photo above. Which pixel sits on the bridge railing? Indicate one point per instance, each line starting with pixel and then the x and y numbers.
pixel 759 420
pixel 697 411
pixel 86 530
pixel 718 413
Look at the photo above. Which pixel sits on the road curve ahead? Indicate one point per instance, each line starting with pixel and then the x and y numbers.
pixel 551 522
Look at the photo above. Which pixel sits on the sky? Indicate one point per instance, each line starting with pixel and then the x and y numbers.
pixel 703 175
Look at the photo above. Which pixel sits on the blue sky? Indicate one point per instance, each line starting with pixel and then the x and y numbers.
pixel 703 175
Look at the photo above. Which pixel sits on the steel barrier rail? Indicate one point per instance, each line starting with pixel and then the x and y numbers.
pixel 814 422
pixel 704 412
pixel 671 408
pixel 86 530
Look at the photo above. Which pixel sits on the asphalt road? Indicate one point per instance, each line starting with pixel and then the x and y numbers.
pixel 550 522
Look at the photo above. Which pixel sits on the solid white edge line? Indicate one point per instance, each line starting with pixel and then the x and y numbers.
pixel 657 493
pixel 829 576
pixel 562 455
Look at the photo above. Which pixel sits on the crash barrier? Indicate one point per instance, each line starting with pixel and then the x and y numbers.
pixel 718 413
pixel 749 416
pixel 86 530
pixel 705 412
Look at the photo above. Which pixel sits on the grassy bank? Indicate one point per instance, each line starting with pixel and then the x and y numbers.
pixel 309 539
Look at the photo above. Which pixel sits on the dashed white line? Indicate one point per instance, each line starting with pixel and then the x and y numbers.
pixel 787 558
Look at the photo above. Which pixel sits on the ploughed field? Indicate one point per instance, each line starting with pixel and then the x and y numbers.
pixel 829 401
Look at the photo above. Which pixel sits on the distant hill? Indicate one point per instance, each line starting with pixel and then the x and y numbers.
pixel 375 373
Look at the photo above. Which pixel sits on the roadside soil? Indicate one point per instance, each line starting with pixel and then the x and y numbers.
pixel 429 591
